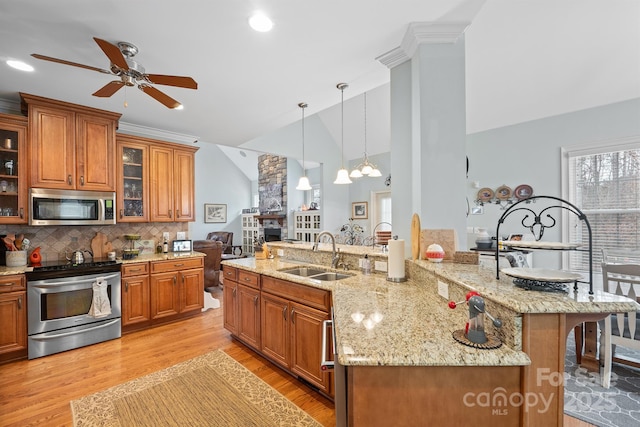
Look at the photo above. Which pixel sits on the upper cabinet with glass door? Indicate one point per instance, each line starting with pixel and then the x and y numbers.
pixel 133 179
pixel 13 177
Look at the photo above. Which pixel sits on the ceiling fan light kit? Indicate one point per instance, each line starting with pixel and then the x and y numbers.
pixel 130 72
pixel 343 174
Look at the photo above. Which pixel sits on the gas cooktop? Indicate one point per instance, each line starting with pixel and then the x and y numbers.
pixel 51 269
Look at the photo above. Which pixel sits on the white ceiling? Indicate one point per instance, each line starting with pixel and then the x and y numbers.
pixel 526 59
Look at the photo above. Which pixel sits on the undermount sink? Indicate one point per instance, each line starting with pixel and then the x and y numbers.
pixel 315 273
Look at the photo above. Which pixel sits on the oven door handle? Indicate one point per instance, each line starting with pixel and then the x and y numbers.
pixel 51 335
pixel 326 364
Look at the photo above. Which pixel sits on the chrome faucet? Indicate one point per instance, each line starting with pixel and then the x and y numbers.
pixel 335 255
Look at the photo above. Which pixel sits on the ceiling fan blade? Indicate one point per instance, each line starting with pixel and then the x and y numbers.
pixel 179 81
pixel 74 64
pixel 159 96
pixel 109 89
pixel 113 53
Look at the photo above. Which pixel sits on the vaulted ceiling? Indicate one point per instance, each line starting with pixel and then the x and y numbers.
pixel 525 59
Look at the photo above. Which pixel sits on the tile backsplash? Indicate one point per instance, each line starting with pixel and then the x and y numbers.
pixel 53 241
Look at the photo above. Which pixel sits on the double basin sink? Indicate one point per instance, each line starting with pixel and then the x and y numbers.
pixel 316 273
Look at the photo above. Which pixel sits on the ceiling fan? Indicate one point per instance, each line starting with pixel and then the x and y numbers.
pixel 130 72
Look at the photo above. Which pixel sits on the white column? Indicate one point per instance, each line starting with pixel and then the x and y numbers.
pixel 428 128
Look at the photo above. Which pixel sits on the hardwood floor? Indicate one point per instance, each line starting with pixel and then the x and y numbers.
pixel 37 392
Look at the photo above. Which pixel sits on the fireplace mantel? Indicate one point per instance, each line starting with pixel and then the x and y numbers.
pixel 261 218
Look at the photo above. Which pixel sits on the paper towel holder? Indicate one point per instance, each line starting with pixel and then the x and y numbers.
pixel 395 279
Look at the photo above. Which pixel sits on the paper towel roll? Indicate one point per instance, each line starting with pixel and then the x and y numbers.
pixel 396 259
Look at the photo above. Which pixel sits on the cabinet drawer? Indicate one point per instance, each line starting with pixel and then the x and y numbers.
pixel 12 283
pixel 137 269
pixel 308 295
pixel 176 264
pixel 230 273
pixel 249 278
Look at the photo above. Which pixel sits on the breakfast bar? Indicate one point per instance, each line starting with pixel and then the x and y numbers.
pixel 401 363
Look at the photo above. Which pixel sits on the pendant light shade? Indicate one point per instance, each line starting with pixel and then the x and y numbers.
pixel 343 174
pixel 303 183
pixel 365 168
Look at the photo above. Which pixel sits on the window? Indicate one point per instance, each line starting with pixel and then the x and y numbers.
pixel 604 183
pixel 381 209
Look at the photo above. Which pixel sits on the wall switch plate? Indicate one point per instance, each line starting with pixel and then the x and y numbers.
pixel 181 235
pixel 280 252
pixel 443 289
pixel 361 262
pixel 380 266
pixel 165 235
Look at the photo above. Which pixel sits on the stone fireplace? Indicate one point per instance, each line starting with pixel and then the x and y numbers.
pixel 272 193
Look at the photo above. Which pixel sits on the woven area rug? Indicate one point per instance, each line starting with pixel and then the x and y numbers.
pixel 587 400
pixel 210 390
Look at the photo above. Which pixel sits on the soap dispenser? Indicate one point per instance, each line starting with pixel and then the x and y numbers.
pixel 366 265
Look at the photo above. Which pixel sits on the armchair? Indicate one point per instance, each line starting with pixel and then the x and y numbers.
pixel 226 237
pixel 213 251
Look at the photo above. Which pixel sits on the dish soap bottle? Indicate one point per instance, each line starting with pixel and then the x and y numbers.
pixel 366 265
pixel 165 246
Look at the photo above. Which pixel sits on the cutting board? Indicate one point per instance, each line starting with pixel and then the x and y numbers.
pixel 415 237
pixel 98 245
pixel 444 237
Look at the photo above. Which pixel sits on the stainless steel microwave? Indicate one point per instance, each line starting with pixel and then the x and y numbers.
pixel 71 207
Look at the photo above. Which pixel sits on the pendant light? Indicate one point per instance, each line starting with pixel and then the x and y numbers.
pixel 303 184
pixel 365 168
pixel 343 174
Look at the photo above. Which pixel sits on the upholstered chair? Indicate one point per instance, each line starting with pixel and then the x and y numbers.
pixel 226 237
pixel 213 251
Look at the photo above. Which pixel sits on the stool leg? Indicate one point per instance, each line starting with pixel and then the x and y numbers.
pixel 578 335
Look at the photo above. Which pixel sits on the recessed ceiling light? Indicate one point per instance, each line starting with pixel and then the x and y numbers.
pixel 260 22
pixel 19 65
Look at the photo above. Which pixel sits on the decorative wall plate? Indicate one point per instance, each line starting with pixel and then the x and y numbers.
pixel 485 194
pixel 523 191
pixel 542 274
pixel 503 193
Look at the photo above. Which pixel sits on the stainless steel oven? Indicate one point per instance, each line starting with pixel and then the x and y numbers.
pixel 59 300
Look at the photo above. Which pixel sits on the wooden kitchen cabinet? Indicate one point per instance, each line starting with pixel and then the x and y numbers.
pixel 132 179
pixel 13 170
pixel 177 287
pixel 13 317
pixel 71 146
pixel 290 317
pixel 136 306
pixel 172 183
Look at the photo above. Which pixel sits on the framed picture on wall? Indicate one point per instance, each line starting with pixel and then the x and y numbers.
pixel 360 210
pixel 215 212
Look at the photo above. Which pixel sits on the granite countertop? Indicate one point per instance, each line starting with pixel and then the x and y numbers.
pixel 373 327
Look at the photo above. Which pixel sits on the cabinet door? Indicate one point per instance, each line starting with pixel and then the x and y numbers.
pixel 230 306
pixel 191 290
pixel 52 147
pixel 133 181
pixel 13 170
pixel 249 316
pixel 184 181
pixel 13 318
pixel 275 329
pixel 165 295
pixel 161 177
pixel 95 153
pixel 135 300
pixel 306 345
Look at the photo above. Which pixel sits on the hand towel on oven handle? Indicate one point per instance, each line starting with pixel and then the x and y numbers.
pixel 100 304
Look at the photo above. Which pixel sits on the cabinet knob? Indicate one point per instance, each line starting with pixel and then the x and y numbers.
pixel 284 313
pixel 175 279
pixel 126 286
pixel 255 300
pixel 21 213
pixel 82 180
pixel 177 213
pixel 170 214
pixel 19 303
pixel 293 311
pixel 121 213
pixel 69 180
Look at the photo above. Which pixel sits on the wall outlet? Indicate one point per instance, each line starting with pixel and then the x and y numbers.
pixel 361 262
pixel 443 289
pixel 380 266
pixel 165 236
pixel 280 252
pixel 181 235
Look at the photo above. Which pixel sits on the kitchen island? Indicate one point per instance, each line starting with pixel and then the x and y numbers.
pixel 403 366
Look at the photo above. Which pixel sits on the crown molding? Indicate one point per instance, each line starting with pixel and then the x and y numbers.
pixel 423 33
pixel 132 129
